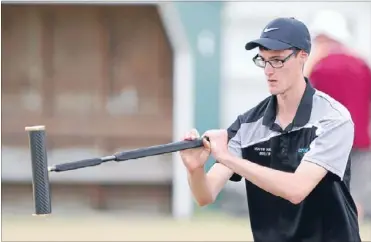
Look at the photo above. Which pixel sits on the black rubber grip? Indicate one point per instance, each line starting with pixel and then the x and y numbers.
pixel 40 176
pixel 159 149
pixel 77 164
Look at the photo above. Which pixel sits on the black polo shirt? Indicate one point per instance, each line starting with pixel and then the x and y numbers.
pixel 321 132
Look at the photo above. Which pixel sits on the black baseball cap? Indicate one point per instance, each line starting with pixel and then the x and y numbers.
pixel 283 33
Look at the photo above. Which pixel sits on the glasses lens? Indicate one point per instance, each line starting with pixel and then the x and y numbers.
pixel 276 63
pixel 259 62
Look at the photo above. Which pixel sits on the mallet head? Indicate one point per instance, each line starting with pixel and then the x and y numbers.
pixel 40 175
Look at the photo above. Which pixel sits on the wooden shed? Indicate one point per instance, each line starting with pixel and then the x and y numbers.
pixel 99 77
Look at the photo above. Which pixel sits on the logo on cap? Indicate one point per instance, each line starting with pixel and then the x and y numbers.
pixel 269 29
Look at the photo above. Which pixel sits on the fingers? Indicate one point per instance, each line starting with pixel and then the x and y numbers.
pixel 210 133
pixel 191 135
pixel 217 138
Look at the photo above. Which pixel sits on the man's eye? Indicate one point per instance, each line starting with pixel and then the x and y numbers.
pixel 276 61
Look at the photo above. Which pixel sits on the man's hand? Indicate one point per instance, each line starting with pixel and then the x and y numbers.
pixel 218 143
pixel 195 158
pixel 204 187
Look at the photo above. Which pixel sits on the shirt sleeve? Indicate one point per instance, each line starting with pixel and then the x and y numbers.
pixel 332 146
pixel 234 144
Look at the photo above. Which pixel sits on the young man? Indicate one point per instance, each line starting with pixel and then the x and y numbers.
pixel 292 150
pixel 337 71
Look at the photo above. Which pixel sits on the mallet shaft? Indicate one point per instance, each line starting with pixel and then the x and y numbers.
pixel 80 164
pixel 130 154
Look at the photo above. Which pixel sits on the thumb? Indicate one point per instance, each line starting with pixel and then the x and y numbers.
pixel 207 144
pixel 195 133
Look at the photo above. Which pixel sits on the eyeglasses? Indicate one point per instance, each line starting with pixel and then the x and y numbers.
pixel 275 63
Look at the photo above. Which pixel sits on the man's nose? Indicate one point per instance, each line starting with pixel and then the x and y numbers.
pixel 268 69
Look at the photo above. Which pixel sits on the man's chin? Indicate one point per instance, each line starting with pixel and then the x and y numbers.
pixel 274 91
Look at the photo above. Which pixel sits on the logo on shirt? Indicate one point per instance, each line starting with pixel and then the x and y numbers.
pixel 303 150
pixel 262 151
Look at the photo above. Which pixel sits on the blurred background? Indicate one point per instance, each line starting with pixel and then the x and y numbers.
pixel 108 77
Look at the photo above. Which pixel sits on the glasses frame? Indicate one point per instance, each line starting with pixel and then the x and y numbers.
pixel 282 62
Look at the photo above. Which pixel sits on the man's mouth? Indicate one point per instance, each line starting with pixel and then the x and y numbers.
pixel 272 80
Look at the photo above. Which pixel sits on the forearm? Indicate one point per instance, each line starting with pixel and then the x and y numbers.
pixel 276 182
pixel 200 187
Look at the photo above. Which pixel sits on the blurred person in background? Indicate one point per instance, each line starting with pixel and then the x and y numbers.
pixel 339 72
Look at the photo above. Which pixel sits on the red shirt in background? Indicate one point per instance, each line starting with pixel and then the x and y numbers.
pixel 347 79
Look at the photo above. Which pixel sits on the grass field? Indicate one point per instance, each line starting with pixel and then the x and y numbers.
pixel 104 227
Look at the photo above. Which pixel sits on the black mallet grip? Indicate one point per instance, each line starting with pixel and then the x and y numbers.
pixel 40 176
pixel 158 149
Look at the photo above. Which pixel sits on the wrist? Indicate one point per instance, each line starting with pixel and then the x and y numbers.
pixel 196 170
pixel 224 157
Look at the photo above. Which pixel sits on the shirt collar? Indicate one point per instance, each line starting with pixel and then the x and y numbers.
pixel 303 113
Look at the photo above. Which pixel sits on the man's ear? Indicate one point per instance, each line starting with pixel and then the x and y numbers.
pixel 303 56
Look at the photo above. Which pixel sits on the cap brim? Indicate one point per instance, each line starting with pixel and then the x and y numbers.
pixel 271 44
